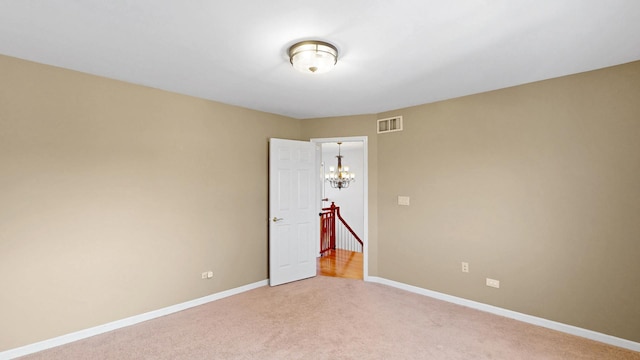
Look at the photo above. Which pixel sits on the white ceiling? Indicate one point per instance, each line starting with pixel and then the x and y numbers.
pixel 392 54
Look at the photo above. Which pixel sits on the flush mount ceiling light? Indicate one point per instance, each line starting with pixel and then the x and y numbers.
pixel 313 56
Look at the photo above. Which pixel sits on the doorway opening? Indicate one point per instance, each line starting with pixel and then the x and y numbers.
pixel 353 203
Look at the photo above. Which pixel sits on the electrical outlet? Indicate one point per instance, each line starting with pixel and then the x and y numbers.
pixel 404 200
pixel 465 267
pixel 493 283
pixel 209 274
pixel 204 275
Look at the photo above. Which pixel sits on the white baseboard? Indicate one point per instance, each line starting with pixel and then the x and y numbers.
pixel 83 334
pixel 569 329
pixel 100 329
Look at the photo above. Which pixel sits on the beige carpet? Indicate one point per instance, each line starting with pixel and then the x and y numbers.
pixel 332 318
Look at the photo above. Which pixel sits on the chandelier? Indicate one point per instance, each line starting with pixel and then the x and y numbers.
pixel 340 178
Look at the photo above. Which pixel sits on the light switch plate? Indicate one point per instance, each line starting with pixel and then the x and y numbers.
pixel 403 200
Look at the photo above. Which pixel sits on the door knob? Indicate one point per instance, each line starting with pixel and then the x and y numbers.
pixel 275 219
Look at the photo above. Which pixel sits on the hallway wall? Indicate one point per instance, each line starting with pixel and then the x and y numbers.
pixel 351 199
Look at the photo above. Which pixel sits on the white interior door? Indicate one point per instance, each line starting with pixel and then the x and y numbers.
pixel 293 211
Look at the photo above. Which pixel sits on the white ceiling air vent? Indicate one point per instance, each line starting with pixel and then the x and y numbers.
pixel 390 124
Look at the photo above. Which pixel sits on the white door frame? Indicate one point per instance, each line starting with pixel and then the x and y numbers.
pixel 365 179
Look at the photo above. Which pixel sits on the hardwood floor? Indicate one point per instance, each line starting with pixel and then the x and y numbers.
pixel 341 263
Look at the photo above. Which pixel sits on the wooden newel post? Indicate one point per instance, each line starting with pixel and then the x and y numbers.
pixel 332 225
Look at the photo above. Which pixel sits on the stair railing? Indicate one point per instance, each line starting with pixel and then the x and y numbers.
pixel 335 233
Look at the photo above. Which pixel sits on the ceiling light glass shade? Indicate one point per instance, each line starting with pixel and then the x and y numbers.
pixel 314 57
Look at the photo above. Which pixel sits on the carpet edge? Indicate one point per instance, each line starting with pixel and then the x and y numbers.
pixel 118 324
pixel 534 320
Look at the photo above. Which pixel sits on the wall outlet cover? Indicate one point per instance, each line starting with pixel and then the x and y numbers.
pixel 403 200
pixel 493 283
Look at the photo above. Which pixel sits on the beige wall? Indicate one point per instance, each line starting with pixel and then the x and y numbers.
pixel 537 186
pixel 115 197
